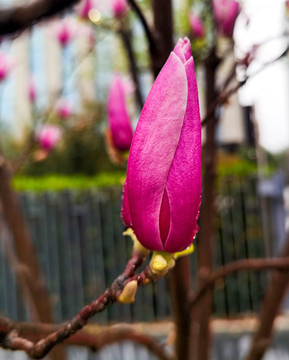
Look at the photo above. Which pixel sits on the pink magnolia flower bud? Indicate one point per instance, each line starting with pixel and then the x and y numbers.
pixel 5 66
pixel 162 193
pixel 225 12
pixel 64 32
pixel 48 136
pixel 84 8
pixel 64 109
pixel 118 117
pixel 119 8
pixel 197 26
pixel 32 91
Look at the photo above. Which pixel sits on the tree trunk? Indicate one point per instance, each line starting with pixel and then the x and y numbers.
pixel 207 219
pixel 179 283
pixel 163 33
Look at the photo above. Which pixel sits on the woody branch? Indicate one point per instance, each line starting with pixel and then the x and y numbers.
pixel 19 18
pixel 120 290
pixel 95 338
pixel 281 264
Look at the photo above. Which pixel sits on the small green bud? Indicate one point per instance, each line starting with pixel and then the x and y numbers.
pixel 128 293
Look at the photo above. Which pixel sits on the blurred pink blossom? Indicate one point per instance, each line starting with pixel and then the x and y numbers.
pixel 32 90
pixel 225 13
pixel 5 66
pixel 65 31
pixel 84 7
pixel 119 8
pixel 197 26
pixel 64 109
pixel 48 136
pixel 118 116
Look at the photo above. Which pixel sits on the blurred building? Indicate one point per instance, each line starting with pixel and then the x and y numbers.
pixel 261 32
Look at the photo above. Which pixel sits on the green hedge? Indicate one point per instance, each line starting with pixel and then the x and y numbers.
pixel 62 182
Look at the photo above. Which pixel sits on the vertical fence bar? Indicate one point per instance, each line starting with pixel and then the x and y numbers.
pixel 78 236
pixel 98 248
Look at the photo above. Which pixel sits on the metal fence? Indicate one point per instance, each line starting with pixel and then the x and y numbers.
pixel 80 246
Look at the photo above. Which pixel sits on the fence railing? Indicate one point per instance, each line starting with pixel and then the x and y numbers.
pixel 80 246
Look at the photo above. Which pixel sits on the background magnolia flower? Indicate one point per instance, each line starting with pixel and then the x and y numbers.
pixel 48 136
pixel 84 7
pixel 5 66
pixel 118 117
pixel 64 109
pixel 161 197
pixel 64 31
pixel 119 8
pixel 32 91
pixel 225 13
pixel 197 26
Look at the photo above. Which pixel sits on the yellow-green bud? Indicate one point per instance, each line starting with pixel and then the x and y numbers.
pixel 161 262
pixel 128 293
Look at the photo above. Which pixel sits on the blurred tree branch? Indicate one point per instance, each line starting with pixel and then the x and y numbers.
pixel 95 337
pixel 147 30
pixel 10 339
pixel 30 277
pixel 19 18
pixel 228 90
pixel 270 307
pixel 126 39
pixel 279 264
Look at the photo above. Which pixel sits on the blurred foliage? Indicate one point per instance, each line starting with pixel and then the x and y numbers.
pixel 243 162
pixel 62 182
pixel 81 150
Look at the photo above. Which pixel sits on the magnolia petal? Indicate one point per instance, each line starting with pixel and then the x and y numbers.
pixel 153 150
pixel 125 211
pixel 184 180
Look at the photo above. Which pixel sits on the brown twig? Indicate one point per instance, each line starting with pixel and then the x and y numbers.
pixel 281 264
pixel 220 100
pixel 127 43
pixel 13 341
pixel 19 18
pixel 95 337
pixel 226 93
pixel 270 307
